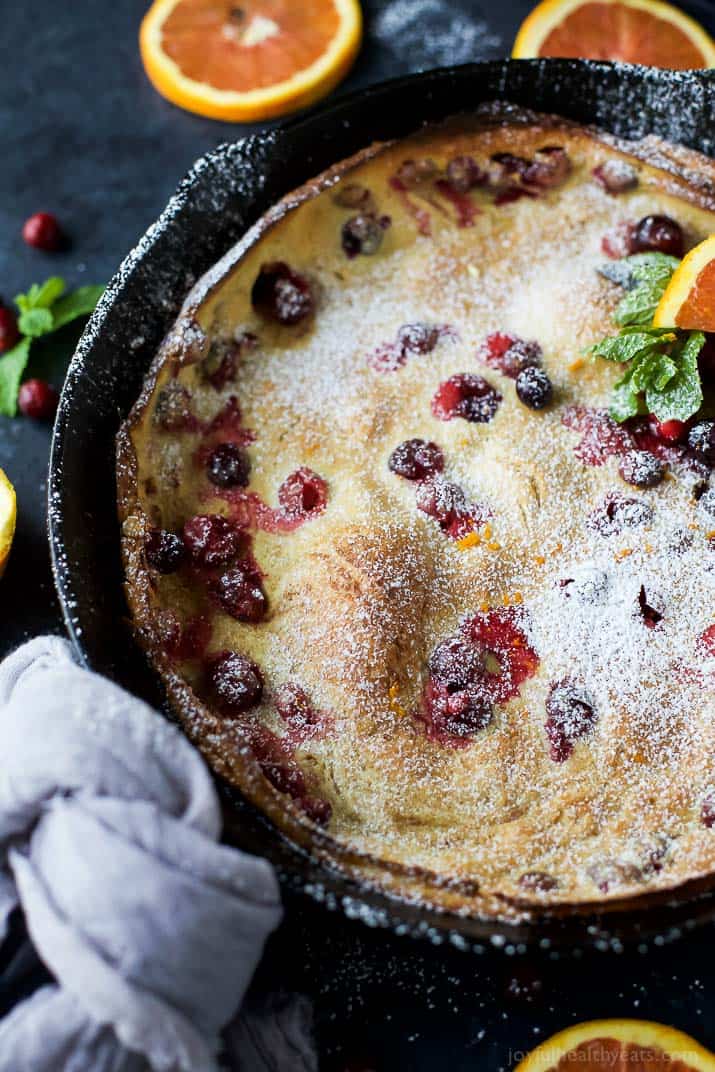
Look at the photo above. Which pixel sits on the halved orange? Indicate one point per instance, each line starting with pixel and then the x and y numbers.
pixel 250 59
pixel 689 299
pixel 650 32
pixel 8 512
pixel 635 1045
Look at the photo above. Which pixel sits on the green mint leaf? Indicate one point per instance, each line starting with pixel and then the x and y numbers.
pixel 80 302
pixel 625 402
pixel 650 274
pixel 624 347
pixel 682 395
pixel 41 296
pixel 35 322
pixel 12 366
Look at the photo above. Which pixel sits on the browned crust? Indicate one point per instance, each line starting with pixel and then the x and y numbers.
pixel 687 174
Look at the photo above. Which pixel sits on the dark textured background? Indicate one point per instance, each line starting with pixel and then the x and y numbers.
pixel 85 136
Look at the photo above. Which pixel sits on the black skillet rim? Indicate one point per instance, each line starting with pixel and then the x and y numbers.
pixel 628 101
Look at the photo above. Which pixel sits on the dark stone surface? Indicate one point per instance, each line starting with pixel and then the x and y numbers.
pixel 86 137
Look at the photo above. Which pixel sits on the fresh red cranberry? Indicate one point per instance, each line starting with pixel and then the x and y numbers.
pixel 550 167
pixel 362 234
pixel 617 512
pixel 658 234
pixel 282 295
pixel 650 615
pixel 416 459
pixel 318 811
pixel 538 882
pixel 353 195
pixel 164 550
pixel 228 466
pixel 641 469
pixel 467 396
pixel 671 431
pixel 463 174
pixel 455 663
pixel 534 388
pixel 569 717
pixel 239 592
pixel 701 441
pixel 707 811
pixel 616 176
pixel 236 681
pixel 173 412
pixel 212 540
pixel 303 493
pixel 43 232
pixel 9 333
pixel 448 505
pixel 509 354
pixel 413 173
pixel 38 399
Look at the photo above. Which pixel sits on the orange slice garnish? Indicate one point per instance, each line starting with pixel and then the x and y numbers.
pixel 8 513
pixel 650 32
pixel 619 1044
pixel 248 60
pixel 689 299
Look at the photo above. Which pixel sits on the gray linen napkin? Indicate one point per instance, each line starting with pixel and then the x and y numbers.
pixel 109 828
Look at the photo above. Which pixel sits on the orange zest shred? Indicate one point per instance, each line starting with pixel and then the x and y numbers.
pixel 472 539
pixel 539 560
pixel 393 692
pixel 493 545
pixel 625 552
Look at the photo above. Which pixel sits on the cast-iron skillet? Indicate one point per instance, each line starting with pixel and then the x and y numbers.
pixel 226 191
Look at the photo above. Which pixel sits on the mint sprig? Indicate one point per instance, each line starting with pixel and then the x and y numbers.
pixel 43 309
pixel 662 374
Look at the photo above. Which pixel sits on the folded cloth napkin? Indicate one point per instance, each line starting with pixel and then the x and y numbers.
pixel 109 828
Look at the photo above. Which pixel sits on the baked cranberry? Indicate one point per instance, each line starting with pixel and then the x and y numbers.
pixel 641 469
pixel 617 513
pixel 182 642
pixel 228 466
pixel 616 176
pixel 212 540
pixel 173 412
pixel 671 431
pixel 463 174
pixel 362 234
pixel 456 715
pixel 303 493
pixel 658 234
pixel 416 459
pixel 601 436
pixel 508 165
pixel 550 167
pixel 538 882
pixel 282 295
pixel 9 333
pixel 38 399
pixel 509 354
pixel 701 440
pixel 43 232
pixel 618 242
pixel 164 550
pixel 294 706
pixel 467 396
pixel 236 680
pixel 412 173
pixel 509 659
pixel 239 592
pixel 220 365
pixel 353 195
pixel 447 504
pixel 534 388
pixel 416 339
pixel 650 615
pixel 455 663
pixel 318 811
pixel 569 717
pixel 707 811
